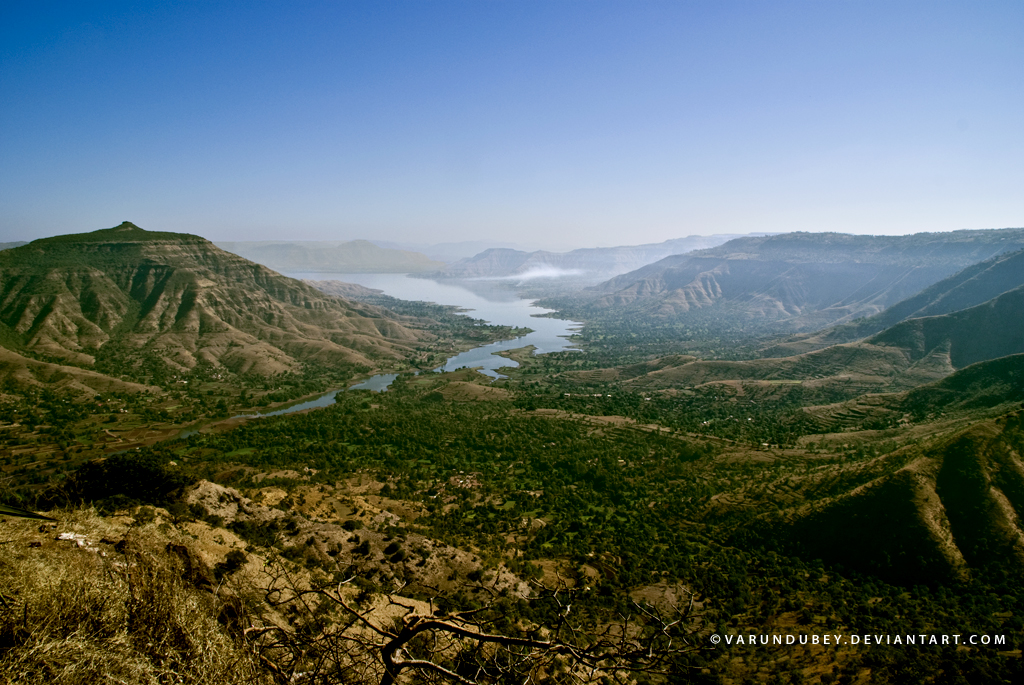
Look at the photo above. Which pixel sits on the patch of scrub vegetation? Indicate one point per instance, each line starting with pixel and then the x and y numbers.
pixel 613 506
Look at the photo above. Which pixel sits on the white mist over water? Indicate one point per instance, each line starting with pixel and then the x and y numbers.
pixel 534 273
pixel 492 304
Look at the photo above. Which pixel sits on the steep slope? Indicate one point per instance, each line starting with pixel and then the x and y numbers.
pixel 177 298
pixel 909 354
pixel 955 507
pixel 895 527
pixel 930 513
pixel 972 286
pixel 799 281
pixel 987 331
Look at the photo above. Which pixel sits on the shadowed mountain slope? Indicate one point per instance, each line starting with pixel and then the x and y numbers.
pixel 920 515
pixel 799 281
pixel 987 331
pixel 972 286
pixel 179 299
pixel 904 356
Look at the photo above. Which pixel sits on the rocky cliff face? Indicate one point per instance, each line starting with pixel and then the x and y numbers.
pixel 180 299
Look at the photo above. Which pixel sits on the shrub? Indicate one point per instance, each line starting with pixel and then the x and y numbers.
pixel 235 560
pixel 142 477
pixel 262 534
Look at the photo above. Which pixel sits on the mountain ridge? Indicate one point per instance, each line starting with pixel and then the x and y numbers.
pixel 799 281
pixel 973 285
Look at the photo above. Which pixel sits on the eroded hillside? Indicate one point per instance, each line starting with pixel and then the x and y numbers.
pixel 180 299
pixel 792 281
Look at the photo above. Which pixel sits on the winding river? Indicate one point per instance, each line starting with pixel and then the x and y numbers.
pixel 482 299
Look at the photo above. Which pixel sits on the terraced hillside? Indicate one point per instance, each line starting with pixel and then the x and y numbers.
pixel 985 387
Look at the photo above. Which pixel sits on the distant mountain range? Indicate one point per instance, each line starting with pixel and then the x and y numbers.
pixel 799 281
pixel 582 266
pixel 587 264
pixel 451 252
pixel 354 256
pixel 973 316
pixel 124 297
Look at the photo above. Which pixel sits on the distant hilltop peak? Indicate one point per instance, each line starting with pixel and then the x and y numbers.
pixel 125 232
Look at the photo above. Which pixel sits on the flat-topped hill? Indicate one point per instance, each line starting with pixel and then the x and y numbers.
pixel 178 299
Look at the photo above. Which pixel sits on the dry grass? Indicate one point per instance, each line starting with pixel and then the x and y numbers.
pixel 72 614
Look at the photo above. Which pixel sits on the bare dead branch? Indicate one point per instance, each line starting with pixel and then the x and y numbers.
pixel 382 644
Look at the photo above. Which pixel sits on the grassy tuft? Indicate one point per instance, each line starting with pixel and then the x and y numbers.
pixel 75 615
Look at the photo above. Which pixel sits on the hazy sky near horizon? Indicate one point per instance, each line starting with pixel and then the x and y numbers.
pixel 548 123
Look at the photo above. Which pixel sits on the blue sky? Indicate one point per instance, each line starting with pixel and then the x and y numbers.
pixel 549 123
